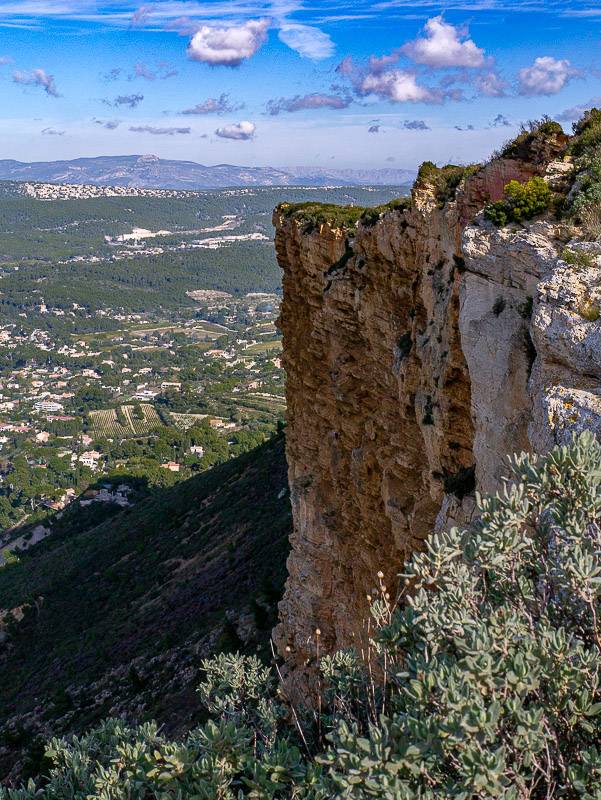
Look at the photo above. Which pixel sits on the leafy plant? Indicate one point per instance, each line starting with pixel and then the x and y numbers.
pixel 521 201
pixel 578 258
pixel 485 682
pixel 312 215
pixel 531 135
pixel 443 180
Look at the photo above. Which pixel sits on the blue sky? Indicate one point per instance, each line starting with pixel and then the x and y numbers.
pixel 346 83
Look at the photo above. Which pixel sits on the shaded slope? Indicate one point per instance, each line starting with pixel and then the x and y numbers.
pixel 117 617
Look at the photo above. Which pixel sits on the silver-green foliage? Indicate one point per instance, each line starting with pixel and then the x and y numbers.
pixel 494 661
pixel 487 682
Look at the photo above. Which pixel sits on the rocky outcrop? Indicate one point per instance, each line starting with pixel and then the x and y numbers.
pixel 420 348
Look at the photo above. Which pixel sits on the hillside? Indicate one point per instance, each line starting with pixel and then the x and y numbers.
pixel 81 250
pixel 148 171
pixel 113 619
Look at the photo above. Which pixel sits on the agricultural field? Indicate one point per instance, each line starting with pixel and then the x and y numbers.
pixel 123 421
pixel 185 421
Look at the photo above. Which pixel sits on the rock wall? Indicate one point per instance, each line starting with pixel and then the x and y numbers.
pixel 419 351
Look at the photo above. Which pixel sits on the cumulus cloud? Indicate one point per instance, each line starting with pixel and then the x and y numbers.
pixel 546 76
pixel 308 41
pixel 444 45
pixel 213 105
pixel 491 84
pixel 239 131
pixel 52 132
pixel 575 112
pixel 37 77
pixel 129 100
pixel 346 66
pixel 398 86
pixel 228 47
pixel 415 125
pixel 158 131
pixel 501 121
pixel 307 101
pixel 5 60
pixel 380 63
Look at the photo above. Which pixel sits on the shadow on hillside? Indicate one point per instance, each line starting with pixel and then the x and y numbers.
pixel 115 614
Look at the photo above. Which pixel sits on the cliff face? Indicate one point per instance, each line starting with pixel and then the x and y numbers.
pixel 420 348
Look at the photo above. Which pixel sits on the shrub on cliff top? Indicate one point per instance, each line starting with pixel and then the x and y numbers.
pixel 532 134
pixel 371 215
pixel 313 215
pixel 586 149
pixel 443 180
pixel 489 678
pixel 521 201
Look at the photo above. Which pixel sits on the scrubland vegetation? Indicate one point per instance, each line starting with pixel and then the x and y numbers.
pixel 487 681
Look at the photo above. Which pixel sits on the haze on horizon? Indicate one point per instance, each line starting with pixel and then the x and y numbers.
pixel 362 84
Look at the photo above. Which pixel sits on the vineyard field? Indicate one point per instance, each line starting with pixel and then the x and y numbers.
pixel 122 421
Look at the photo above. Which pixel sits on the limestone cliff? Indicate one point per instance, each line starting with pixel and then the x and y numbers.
pixel 421 345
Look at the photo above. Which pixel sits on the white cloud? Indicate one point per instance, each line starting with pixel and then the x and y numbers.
pixel 491 84
pixel 444 45
pixel 310 42
pixel 546 76
pixel 240 131
pixel 37 77
pixel 228 47
pixel 399 87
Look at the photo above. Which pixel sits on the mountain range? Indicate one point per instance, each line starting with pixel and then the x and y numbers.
pixel 149 171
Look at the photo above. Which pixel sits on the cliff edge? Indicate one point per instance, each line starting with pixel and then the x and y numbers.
pixel 422 343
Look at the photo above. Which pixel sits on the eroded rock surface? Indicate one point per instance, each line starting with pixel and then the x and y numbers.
pixel 419 350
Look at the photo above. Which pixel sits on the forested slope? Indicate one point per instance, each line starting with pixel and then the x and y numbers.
pixel 114 619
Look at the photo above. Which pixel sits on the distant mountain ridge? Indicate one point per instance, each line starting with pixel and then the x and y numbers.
pixel 152 172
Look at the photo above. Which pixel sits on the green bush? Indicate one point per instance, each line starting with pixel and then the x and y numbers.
pixel 521 201
pixel 312 215
pixel 586 150
pixel 443 180
pixel 484 683
pixel 530 137
pixel 587 133
pixel 372 215
pixel 581 259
